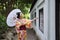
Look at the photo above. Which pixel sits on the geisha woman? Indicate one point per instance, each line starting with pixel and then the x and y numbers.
pixel 21 25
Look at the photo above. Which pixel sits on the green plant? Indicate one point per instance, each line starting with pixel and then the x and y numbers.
pixel 3 25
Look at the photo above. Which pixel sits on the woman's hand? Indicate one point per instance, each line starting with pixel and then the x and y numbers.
pixel 34 19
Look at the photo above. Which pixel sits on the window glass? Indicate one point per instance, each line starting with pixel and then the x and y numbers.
pixel 41 20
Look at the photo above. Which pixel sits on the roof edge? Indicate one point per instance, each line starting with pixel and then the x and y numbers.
pixel 33 3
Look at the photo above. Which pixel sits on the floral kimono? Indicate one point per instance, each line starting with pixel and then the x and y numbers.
pixel 21 29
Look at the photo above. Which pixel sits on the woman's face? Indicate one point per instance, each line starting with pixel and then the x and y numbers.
pixel 21 15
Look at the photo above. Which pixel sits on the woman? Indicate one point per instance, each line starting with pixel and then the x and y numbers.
pixel 21 25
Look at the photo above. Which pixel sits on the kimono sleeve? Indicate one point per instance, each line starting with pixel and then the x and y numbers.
pixel 28 24
pixel 18 24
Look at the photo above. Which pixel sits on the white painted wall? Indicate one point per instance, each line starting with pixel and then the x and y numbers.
pixel 38 32
pixel 49 19
pixel 46 16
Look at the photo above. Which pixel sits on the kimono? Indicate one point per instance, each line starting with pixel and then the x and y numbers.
pixel 21 29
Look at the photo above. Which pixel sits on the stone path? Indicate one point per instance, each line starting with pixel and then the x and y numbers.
pixel 30 35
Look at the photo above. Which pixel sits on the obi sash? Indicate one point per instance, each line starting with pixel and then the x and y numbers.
pixel 22 27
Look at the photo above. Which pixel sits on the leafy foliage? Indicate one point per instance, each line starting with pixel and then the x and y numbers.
pixel 3 25
pixel 7 5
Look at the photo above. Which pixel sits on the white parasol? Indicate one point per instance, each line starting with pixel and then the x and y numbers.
pixel 10 18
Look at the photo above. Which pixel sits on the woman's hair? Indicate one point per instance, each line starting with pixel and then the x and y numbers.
pixel 18 14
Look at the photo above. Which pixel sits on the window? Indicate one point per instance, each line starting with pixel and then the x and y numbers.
pixel 35 17
pixel 32 17
pixel 41 20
